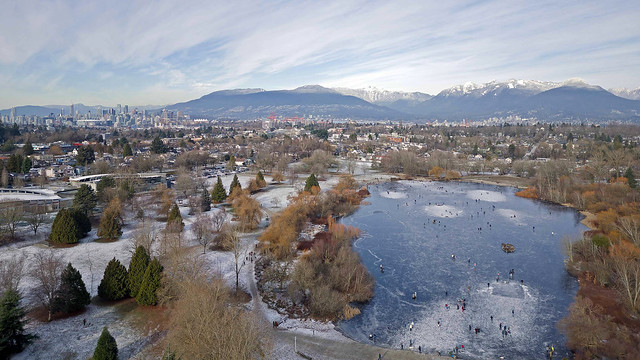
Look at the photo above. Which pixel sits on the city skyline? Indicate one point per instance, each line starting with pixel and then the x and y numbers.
pixel 62 53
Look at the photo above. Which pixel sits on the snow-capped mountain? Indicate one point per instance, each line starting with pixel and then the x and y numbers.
pixel 531 87
pixel 569 100
pixel 631 94
pixel 383 97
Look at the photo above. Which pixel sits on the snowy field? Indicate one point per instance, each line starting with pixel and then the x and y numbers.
pixel 69 339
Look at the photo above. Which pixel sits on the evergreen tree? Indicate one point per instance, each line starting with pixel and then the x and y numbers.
pixel 85 199
pixel 12 335
pixel 235 182
pixel 14 164
pixel 174 215
pixel 85 156
pixel 310 183
pixel 82 221
pixel 107 182
pixel 137 268
pixel 27 149
pixel 64 229
pixel 126 150
pixel 114 282
pixel 26 165
pixel 218 194
pixel 72 295
pixel 107 348
pixel 157 146
pixel 631 178
pixel 150 283
pixel 260 180
pixel 205 201
pixel 111 221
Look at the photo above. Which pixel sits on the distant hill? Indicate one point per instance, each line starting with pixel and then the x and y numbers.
pixel 306 100
pixel 572 100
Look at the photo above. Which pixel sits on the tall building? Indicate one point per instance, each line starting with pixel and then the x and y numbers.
pixel 71 112
pixel 126 109
pixel 119 109
pixel 13 114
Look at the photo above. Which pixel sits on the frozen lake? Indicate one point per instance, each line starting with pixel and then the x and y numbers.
pixel 414 228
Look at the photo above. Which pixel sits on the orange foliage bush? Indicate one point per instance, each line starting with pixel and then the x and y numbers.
pixel 528 193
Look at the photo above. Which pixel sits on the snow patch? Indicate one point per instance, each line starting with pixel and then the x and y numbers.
pixel 443 211
pixel 484 195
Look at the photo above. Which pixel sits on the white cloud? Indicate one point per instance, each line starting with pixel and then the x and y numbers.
pixel 194 47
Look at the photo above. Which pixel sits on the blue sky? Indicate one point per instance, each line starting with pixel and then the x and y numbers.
pixel 160 52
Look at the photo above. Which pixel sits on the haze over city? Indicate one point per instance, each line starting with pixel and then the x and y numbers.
pixel 165 52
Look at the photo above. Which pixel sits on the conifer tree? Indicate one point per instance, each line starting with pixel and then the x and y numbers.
pixel 64 229
pixel 174 215
pixel 150 283
pixel 235 182
pixel 260 180
pixel 218 194
pixel 85 199
pixel 114 282
pixel 27 149
pixel 107 348
pixel 311 182
pixel 82 221
pixel 111 221
pixel 13 337
pixel 72 294
pixel 631 178
pixel 137 268
pixel 126 150
pixel 205 201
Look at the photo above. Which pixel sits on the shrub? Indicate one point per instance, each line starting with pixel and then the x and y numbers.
pixel 175 217
pixel 528 193
pixel 107 348
pixel 114 282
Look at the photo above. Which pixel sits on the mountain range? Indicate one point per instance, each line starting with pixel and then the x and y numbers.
pixel 572 100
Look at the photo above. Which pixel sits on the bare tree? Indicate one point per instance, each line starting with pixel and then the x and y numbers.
pixel 218 219
pixel 233 243
pixel 9 219
pixel 47 272
pixel 629 226
pixel 185 184
pixel 36 218
pixel 628 280
pixel 11 273
pixel 144 236
pixel 202 230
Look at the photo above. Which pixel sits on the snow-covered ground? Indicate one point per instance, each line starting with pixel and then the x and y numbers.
pixel 69 339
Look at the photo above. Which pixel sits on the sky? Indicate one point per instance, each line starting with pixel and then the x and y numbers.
pixel 162 52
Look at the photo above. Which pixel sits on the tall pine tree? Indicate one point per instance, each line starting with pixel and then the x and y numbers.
pixel 13 338
pixel 107 348
pixel 260 180
pixel 234 183
pixel 137 268
pixel 205 201
pixel 85 199
pixel 72 295
pixel 114 284
pixel 150 283
pixel 218 194
pixel 175 216
pixel 631 178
